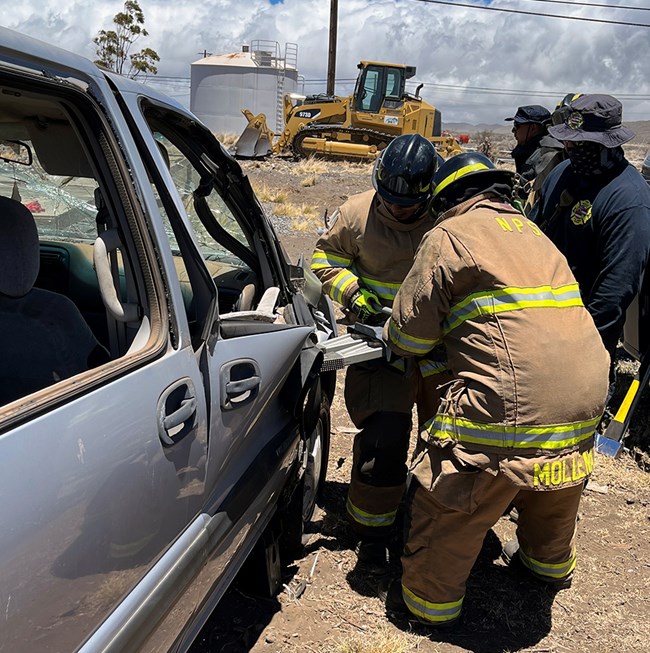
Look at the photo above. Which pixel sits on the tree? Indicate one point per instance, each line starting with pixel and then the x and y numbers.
pixel 113 46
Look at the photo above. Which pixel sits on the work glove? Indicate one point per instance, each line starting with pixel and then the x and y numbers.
pixel 364 304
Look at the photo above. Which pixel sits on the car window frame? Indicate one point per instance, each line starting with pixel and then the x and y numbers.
pixel 84 108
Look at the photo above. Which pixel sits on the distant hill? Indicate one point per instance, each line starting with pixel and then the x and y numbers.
pixel 640 127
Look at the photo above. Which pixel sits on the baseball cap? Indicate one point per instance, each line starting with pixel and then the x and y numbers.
pixel 534 113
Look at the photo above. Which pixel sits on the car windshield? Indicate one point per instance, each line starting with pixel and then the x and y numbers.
pixel 63 207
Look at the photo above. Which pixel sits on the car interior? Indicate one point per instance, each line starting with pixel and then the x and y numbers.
pixel 59 176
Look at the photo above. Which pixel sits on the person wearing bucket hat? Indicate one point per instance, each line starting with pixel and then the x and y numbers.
pixel 361 261
pixel 595 207
pixel 536 152
pixel 501 298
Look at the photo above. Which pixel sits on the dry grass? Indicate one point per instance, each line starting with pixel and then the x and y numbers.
pixel 384 640
pixel 227 139
pixel 622 473
pixel 308 182
pixel 352 167
pixel 273 195
pixel 289 210
pixel 312 165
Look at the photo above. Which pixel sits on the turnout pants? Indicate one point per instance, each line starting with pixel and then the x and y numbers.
pixel 451 507
pixel 380 400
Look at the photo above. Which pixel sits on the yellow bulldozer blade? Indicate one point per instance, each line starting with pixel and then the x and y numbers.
pixel 256 141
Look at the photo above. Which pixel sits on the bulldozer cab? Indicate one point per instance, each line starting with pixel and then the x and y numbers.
pixel 380 85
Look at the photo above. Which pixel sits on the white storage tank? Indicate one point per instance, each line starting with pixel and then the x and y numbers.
pixel 256 79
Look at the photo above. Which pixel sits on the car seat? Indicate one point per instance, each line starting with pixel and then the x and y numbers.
pixel 43 336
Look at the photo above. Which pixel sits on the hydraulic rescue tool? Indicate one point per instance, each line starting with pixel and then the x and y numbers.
pixel 362 342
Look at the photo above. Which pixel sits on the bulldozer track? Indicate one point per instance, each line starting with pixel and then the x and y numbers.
pixel 366 137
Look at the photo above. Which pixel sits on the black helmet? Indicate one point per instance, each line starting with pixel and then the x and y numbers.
pixel 404 169
pixel 476 165
pixel 562 109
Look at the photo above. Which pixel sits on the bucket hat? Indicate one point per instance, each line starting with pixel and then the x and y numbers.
pixel 595 118
pixel 533 113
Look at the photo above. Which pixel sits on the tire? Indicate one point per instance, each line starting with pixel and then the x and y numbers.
pixel 300 509
pixel 318 451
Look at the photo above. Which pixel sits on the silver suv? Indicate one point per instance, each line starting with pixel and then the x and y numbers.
pixel 161 398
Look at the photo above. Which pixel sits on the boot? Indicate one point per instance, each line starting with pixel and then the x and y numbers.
pixel 373 554
pixel 390 591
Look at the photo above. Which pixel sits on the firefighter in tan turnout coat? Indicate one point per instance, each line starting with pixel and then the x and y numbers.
pixel 517 424
pixel 362 261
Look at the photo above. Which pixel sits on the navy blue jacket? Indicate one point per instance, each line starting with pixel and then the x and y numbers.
pixel 603 229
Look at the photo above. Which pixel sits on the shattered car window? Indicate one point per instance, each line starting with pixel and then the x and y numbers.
pixel 187 180
pixel 63 207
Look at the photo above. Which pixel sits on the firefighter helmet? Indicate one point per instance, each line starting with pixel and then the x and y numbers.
pixel 403 171
pixel 476 165
pixel 562 108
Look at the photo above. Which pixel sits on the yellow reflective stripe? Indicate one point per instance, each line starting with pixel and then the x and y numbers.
pixel 399 364
pixel 322 260
pixel 409 343
pixel 512 298
pixel 552 436
pixel 341 282
pixel 434 612
pixel 430 368
pixel 368 518
pixel 457 175
pixel 384 289
pixel 551 570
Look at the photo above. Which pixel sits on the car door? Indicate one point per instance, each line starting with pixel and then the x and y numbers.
pixel 217 231
pixel 103 472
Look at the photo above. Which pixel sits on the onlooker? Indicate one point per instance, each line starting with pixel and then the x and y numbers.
pixel 517 424
pixel 536 153
pixel 595 207
pixel 362 261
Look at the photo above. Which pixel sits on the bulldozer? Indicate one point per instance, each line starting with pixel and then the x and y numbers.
pixel 357 127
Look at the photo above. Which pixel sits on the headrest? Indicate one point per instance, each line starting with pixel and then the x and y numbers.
pixel 19 249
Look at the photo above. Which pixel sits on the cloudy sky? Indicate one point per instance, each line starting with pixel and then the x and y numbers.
pixel 477 64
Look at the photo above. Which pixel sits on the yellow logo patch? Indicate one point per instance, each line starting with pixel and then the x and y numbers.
pixel 581 212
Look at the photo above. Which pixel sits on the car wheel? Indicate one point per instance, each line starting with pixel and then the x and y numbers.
pixel 302 505
pixel 318 449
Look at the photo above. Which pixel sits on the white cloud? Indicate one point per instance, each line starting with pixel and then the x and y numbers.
pixel 454 46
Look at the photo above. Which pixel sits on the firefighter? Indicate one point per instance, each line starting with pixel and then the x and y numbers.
pixel 530 378
pixel 361 261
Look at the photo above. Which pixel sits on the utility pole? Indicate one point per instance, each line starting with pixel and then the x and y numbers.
pixel 331 62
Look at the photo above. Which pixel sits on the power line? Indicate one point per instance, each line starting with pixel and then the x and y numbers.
pixel 592 4
pixel 533 13
pixel 484 89
pixel 514 91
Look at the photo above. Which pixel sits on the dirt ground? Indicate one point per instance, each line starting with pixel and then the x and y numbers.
pixel 328 605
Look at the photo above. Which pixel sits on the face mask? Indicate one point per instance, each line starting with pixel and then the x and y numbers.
pixel 590 159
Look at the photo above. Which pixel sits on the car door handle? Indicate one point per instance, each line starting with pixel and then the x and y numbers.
pixel 177 411
pixel 240 383
pixel 236 388
pixel 186 410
